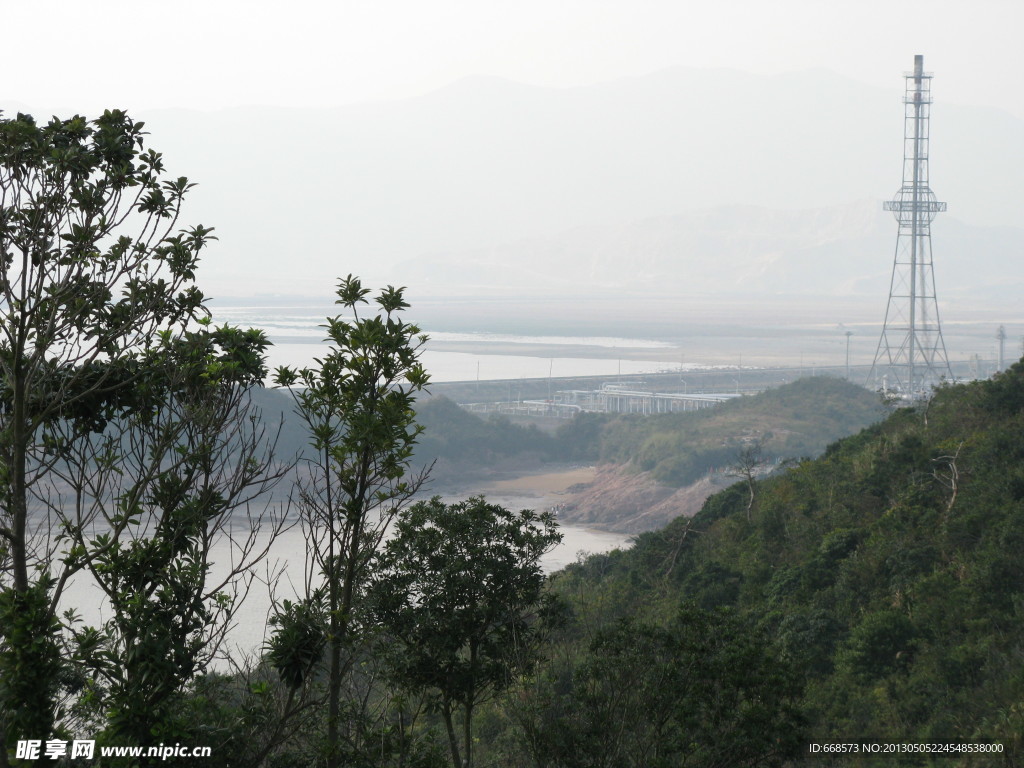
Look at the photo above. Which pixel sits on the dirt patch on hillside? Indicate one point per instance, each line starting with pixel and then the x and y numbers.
pixel 545 483
pixel 608 498
pixel 626 502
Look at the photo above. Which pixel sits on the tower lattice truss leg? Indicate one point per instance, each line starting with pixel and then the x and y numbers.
pixel 911 356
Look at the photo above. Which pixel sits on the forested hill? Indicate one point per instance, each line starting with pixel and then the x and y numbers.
pixel 888 572
pixel 794 420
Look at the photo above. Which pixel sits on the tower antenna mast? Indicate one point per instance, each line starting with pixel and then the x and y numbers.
pixel 911 355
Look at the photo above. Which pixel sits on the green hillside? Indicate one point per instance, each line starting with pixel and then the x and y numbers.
pixel 460 444
pixel 887 573
pixel 794 420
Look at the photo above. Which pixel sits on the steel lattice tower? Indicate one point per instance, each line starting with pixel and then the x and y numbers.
pixel 911 355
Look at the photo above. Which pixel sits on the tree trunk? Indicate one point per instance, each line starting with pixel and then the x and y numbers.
pixel 334 669
pixel 341 606
pixel 334 692
pixel 467 734
pixel 18 490
pixel 467 722
pixel 453 742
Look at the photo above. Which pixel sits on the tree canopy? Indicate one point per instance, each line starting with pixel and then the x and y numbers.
pixel 460 590
pixel 126 437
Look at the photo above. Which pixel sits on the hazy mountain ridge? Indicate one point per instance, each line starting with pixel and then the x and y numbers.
pixel 299 196
pixel 841 250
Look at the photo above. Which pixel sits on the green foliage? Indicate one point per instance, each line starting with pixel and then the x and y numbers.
pixel 358 401
pixel 581 438
pixel 883 643
pixel 30 659
pixel 878 590
pixel 460 590
pixel 454 436
pixel 798 419
pixel 887 572
pixel 297 644
pixel 702 690
pixel 96 294
pixel 357 405
pixel 183 466
pixel 794 420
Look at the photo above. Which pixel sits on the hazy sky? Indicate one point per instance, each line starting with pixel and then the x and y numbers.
pixel 70 55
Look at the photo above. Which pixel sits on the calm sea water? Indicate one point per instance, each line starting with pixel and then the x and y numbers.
pixel 290 552
pixel 298 338
pixel 287 557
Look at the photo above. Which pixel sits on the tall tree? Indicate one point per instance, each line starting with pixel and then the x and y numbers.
pixel 179 498
pixel 460 589
pixel 747 464
pixel 358 407
pixel 92 267
pixel 121 420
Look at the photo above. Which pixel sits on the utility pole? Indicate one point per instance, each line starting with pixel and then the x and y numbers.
pixel 848 335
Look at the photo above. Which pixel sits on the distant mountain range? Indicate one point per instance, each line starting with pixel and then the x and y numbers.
pixel 677 170
pixel 844 250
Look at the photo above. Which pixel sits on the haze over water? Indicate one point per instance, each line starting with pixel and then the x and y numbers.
pixel 298 338
pixel 288 555
pixel 469 345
